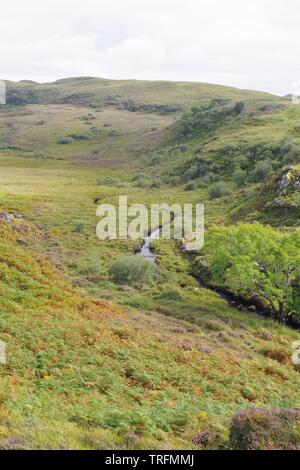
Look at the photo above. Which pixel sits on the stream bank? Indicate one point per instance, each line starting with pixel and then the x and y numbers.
pixel 250 307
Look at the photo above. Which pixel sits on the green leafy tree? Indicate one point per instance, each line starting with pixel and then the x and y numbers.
pixel 259 262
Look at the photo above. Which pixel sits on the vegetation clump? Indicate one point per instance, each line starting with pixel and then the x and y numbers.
pixel 279 354
pixel 259 263
pixel 258 429
pixel 206 119
pixel 262 170
pixel 218 190
pixel 79 136
pixel 131 270
pixel 65 141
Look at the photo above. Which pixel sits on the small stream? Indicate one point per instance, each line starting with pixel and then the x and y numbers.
pixel 146 252
pixel 232 301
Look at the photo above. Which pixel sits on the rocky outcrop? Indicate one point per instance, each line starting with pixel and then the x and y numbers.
pixel 288 181
pixel 15 221
pixel 6 217
pixel 288 191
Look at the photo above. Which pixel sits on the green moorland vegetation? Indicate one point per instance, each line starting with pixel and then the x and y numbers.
pixel 104 351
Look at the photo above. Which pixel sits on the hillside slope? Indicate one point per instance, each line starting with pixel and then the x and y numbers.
pixel 93 364
pixel 85 90
pixel 89 120
pixel 83 374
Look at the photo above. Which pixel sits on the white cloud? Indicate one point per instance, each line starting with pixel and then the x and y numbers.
pixel 142 52
pixel 250 44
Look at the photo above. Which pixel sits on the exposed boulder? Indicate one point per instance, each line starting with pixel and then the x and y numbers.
pixel 15 221
pixel 288 180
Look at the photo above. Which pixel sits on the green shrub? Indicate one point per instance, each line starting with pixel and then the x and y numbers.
pixel 241 161
pixel 239 107
pixel 65 141
pixel 114 133
pixel 192 172
pixel 205 119
pixel 172 295
pixel 172 180
pixel 87 117
pixel 79 227
pixel 153 159
pixel 155 184
pixel 79 136
pixel 107 181
pixel 190 186
pixel 131 270
pixel 218 190
pixel 293 156
pixel 239 177
pixel 143 182
pixel 261 171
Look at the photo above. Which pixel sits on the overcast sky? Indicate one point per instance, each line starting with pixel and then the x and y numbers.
pixel 244 43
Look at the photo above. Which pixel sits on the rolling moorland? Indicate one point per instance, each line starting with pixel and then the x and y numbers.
pixel 195 352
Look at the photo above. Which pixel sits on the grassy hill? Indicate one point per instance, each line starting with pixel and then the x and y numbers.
pixel 82 118
pixel 89 90
pixel 84 374
pixel 93 364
